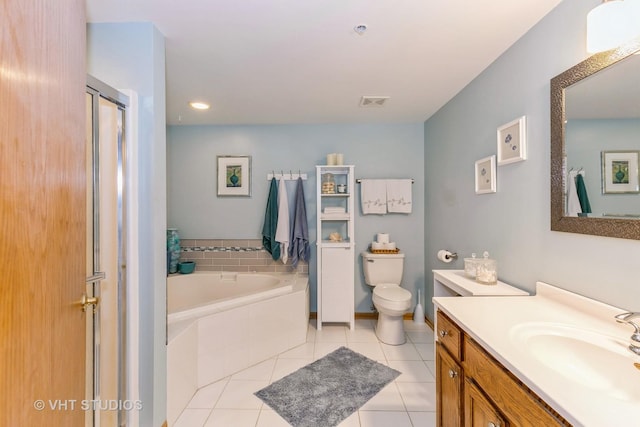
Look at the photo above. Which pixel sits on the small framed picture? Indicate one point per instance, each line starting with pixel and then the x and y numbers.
pixel 620 172
pixel 512 141
pixel 486 175
pixel 234 175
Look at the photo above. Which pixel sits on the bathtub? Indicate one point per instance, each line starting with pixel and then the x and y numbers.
pixel 219 323
pixel 199 294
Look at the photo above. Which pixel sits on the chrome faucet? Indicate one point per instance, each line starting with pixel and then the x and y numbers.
pixel 635 338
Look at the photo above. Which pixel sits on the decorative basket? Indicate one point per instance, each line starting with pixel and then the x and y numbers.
pixel 384 251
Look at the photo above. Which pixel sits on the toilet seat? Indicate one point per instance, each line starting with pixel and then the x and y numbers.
pixel 391 293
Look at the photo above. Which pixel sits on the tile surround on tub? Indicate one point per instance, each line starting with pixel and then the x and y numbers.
pixel 239 255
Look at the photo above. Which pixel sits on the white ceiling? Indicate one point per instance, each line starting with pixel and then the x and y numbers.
pixel 300 61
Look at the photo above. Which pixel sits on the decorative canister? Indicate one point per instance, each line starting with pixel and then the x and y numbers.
pixel 173 250
pixel 342 188
pixel 328 184
pixel 487 270
pixel 471 265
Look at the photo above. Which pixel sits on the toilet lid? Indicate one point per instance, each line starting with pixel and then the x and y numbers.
pixel 392 293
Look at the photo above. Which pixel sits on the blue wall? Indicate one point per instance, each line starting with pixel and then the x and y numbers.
pixel 131 56
pixel 514 223
pixel 589 138
pixel 377 151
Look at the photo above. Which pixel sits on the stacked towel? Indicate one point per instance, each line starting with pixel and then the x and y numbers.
pixel 271 222
pixel 399 195
pixel 373 196
pixel 299 249
pixel 282 229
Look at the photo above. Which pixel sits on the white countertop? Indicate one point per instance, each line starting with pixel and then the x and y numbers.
pixel 584 400
pixel 463 285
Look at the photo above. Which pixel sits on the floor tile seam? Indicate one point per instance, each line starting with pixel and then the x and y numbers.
pixel 226 379
pixel 404 403
pixel 238 409
pixel 187 408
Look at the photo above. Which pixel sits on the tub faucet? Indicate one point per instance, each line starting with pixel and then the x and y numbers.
pixel 635 338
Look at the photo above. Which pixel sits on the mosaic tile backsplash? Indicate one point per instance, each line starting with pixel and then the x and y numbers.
pixel 234 255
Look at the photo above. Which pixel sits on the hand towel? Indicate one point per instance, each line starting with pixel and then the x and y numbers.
pixel 399 195
pixel 282 229
pixel 299 249
pixel 270 222
pixel 581 189
pixel 573 203
pixel 373 196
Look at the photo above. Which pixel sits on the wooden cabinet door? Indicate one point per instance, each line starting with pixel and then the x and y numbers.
pixel 478 411
pixel 449 379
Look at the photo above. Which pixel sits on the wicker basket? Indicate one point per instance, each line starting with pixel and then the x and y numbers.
pixel 384 251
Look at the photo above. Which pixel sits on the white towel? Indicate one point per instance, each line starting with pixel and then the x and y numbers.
pixel 573 203
pixel 399 195
pixel 373 196
pixel 282 228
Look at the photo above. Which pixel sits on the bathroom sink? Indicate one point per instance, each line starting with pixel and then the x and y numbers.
pixel 586 357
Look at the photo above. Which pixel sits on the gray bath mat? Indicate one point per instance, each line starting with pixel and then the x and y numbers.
pixel 327 391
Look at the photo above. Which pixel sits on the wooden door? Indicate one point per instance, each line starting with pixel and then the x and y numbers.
pixel 42 212
pixel 478 411
pixel 448 389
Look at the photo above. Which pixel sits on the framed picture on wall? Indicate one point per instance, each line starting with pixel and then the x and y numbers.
pixel 486 175
pixel 234 176
pixel 512 141
pixel 620 172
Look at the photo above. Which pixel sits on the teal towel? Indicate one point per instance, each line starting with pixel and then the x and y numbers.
pixel 271 222
pixel 582 194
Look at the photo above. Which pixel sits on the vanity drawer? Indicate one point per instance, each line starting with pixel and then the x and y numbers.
pixel 449 335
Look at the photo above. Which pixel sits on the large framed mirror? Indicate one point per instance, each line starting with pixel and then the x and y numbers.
pixel 595 133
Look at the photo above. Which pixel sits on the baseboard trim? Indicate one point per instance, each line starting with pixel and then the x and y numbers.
pixel 374 316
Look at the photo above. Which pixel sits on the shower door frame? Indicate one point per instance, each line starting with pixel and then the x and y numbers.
pixel 99 90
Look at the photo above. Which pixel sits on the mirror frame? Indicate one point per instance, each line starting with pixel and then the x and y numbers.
pixel 610 227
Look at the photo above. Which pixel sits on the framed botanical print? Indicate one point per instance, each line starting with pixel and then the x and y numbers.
pixel 512 141
pixel 620 172
pixel 486 175
pixel 234 175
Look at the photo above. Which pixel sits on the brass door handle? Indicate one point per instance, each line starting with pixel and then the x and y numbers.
pixel 86 301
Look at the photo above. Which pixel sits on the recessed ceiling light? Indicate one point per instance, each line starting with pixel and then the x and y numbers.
pixel 360 29
pixel 197 105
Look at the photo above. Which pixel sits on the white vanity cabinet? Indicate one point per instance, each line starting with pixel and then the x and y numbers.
pixel 336 247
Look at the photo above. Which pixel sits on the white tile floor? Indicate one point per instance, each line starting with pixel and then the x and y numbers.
pixel 409 401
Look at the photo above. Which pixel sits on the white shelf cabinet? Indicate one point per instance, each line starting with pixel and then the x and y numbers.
pixel 336 260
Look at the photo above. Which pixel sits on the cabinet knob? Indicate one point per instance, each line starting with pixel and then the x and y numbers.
pixel 443 333
pixel 493 424
pixel 453 374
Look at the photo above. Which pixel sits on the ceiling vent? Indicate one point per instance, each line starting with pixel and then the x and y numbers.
pixel 373 101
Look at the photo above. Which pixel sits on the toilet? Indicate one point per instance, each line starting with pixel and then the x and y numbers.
pixel 383 272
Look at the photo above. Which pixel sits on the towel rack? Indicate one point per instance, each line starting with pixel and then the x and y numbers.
pixel 286 176
pixel 359 180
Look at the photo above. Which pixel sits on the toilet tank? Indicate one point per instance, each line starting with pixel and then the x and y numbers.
pixel 382 268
